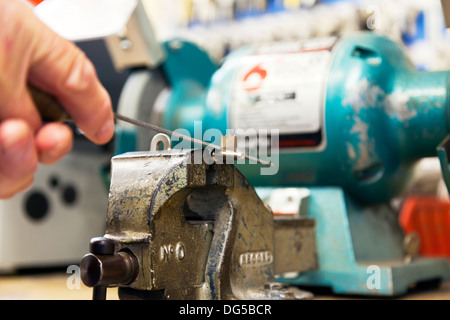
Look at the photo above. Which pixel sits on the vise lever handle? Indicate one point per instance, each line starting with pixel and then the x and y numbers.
pixel 103 267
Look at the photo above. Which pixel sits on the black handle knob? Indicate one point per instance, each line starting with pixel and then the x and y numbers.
pixel 103 267
pixel 101 245
pixel 104 270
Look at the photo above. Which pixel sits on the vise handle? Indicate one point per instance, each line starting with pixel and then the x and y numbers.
pixel 103 267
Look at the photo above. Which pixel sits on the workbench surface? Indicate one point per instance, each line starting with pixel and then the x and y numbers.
pixel 53 286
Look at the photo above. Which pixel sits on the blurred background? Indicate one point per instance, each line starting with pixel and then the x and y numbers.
pixel 49 226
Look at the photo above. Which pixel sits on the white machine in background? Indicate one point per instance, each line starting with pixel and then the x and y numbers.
pixel 50 224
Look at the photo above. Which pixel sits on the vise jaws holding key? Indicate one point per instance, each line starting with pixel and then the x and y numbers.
pixel 180 229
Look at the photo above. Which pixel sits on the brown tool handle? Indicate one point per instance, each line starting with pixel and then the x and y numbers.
pixel 49 108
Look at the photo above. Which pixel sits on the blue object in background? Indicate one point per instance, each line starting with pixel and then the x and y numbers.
pixel 379 116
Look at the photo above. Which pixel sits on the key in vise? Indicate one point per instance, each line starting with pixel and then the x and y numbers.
pixel 178 228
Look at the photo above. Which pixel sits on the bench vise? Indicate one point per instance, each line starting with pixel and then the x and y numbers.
pixel 183 229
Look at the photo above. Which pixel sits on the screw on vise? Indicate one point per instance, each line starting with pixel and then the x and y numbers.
pixel 103 267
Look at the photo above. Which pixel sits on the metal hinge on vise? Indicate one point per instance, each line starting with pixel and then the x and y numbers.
pixel 184 229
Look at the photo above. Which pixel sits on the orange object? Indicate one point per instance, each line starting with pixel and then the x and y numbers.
pixel 429 218
pixel 35 2
pixel 276 213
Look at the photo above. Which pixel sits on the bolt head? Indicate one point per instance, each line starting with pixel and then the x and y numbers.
pixel 101 245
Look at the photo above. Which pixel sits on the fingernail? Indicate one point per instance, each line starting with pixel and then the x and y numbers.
pixel 106 131
pixel 15 147
pixel 52 155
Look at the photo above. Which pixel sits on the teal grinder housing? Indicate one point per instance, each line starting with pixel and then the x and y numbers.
pixel 353 117
pixel 352 113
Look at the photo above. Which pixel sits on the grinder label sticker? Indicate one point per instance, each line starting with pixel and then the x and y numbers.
pixel 282 86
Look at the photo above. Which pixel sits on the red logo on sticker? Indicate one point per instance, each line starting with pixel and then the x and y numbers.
pixel 254 78
pixel 35 2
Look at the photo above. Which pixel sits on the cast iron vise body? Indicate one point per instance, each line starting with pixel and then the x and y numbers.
pixel 179 228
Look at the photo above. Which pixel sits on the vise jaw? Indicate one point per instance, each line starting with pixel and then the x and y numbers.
pixel 179 229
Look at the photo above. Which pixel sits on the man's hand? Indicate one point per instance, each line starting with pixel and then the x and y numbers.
pixel 32 53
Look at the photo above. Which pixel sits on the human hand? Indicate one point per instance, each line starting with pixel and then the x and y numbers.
pixel 30 52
